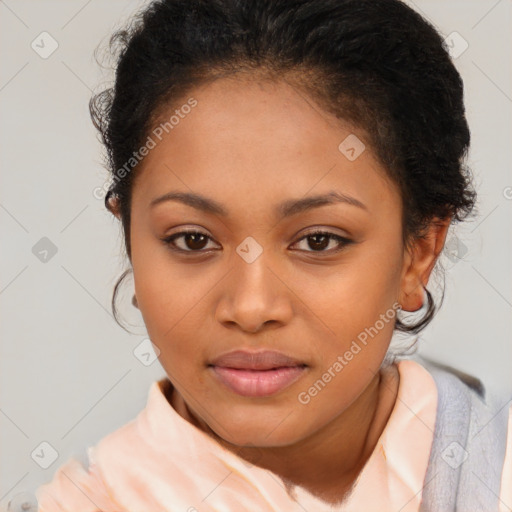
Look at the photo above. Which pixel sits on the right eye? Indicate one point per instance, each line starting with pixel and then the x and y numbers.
pixel 192 241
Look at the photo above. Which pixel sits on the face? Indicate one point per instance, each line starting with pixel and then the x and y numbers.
pixel 256 276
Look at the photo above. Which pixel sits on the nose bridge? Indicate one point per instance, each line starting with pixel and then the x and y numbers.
pixel 254 295
pixel 252 280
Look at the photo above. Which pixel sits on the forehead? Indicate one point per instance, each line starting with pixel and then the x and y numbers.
pixel 256 140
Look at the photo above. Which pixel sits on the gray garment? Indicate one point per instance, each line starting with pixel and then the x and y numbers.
pixel 468 449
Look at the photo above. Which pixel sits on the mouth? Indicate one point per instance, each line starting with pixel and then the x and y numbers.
pixel 257 374
pixel 258 383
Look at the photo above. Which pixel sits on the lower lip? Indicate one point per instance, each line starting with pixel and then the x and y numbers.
pixel 258 382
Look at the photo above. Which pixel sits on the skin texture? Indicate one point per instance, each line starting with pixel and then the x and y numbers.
pixel 250 146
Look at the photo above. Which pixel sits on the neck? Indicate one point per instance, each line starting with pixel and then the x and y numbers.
pixel 328 462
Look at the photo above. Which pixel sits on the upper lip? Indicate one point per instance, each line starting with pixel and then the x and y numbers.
pixel 262 360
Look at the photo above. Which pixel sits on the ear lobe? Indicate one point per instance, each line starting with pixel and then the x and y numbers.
pixel 419 261
pixel 113 205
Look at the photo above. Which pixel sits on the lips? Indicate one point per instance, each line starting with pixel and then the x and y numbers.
pixel 263 360
pixel 257 374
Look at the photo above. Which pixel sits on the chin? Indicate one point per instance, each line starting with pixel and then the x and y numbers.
pixel 252 431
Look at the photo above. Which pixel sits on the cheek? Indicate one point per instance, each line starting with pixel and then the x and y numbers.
pixel 171 300
pixel 164 289
pixel 158 287
pixel 357 292
pixel 359 307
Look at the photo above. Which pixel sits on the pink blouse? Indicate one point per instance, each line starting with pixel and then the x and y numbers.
pixel 161 462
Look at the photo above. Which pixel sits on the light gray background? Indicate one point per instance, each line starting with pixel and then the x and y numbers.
pixel 68 372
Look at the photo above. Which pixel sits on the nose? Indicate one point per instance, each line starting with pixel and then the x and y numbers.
pixel 254 297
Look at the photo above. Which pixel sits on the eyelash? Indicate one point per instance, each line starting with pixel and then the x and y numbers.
pixel 344 242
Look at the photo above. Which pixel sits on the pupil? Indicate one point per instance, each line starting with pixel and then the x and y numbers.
pixel 319 244
pixel 194 238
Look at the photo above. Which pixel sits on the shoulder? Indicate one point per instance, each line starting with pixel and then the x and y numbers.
pixel 84 483
pixel 74 487
pixel 472 430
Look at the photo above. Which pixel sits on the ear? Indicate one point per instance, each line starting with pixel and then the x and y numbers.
pixel 419 260
pixel 114 206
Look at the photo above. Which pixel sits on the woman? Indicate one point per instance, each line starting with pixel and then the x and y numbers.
pixel 285 174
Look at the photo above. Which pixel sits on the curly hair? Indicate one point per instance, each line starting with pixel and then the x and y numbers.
pixel 375 63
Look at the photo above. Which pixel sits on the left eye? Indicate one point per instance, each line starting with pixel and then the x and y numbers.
pixel 319 240
pixel 195 241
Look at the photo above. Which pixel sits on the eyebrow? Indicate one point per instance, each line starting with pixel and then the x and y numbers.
pixel 285 209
